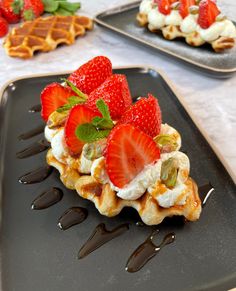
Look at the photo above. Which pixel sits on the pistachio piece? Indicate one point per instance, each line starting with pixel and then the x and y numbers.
pixel 94 150
pixel 169 172
pixel 175 5
pixel 57 119
pixel 197 2
pixel 166 143
pixel 194 10
pixel 221 17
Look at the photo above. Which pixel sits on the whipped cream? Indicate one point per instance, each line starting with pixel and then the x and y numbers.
pixel 189 24
pixel 145 6
pixel 84 165
pixel 50 133
pixel 174 18
pixel 58 146
pixel 167 129
pixel 98 171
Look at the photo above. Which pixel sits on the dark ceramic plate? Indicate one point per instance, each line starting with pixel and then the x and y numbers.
pixel 123 21
pixel 37 255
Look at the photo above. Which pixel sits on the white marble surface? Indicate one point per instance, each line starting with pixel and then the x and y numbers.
pixel 212 101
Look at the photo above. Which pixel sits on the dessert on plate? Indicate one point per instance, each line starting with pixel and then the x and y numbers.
pixel 45 34
pixel 114 152
pixel 199 22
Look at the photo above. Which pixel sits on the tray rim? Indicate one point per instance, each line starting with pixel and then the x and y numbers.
pixel 219 155
pixel 134 4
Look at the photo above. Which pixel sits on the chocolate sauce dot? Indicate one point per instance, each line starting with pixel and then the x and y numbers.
pixel 47 199
pixel 36 176
pixel 72 216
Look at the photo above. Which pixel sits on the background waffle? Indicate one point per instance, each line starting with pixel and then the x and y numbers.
pixel 45 34
pixel 171 32
pixel 107 202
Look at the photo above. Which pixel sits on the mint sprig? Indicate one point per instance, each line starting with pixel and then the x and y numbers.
pixel 61 7
pixel 72 101
pixel 99 128
pixel 75 89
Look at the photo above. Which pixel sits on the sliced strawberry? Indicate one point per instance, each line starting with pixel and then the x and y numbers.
pixel 208 12
pixel 128 151
pixel 164 6
pixel 52 97
pixel 184 7
pixel 115 92
pixel 79 114
pixel 144 114
pixel 92 74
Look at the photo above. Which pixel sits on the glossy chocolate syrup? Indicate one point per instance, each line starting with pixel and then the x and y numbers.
pixel 36 176
pixel 33 149
pixel 99 237
pixel 146 251
pixel 36 108
pixel 205 192
pixel 72 216
pixel 33 132
pixel 47 199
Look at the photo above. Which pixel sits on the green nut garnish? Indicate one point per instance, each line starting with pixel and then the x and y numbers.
pixel 169 172
pixel 166 143
pixel 193 9
pixel 92 151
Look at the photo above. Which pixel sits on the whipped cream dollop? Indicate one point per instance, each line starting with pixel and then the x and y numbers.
pixel 157 20
pixel 59 149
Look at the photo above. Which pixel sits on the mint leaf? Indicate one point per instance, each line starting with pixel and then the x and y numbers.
pixel 75 89
pixel 62 12
pixel 72 101
pixel 50 5
pixel 72 7
pixel 103 108
pixel 89 133
pixel 102 123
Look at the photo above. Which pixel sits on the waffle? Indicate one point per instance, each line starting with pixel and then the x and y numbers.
pixel 45 34
pixel 108 204
pixel 171 32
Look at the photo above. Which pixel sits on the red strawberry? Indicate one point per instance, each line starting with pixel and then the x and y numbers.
pixel 144 114
pixel 208 12
pixel 10 10
pixel 92 74
pixel 115 92
pixel 79 114
pixel 32 9
pixel 164 6
pixel 3 27
pixel 52 97
pixel 128 151
pixel 184 7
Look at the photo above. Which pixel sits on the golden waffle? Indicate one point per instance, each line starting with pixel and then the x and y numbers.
pixel 45 34
pixel 107 202
pixel 171 32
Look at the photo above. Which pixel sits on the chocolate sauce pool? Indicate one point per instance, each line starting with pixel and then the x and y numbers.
pixel 146 251
pixel 99 237
pixel 33 132
pixel 36 108
pixel 72 216
pixel 36 176
pixel 47 199
pixel 33 149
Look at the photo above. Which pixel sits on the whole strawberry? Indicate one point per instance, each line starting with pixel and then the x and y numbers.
pixel 3 27
pixel 32 9
pixel 92 74
pixel 10 10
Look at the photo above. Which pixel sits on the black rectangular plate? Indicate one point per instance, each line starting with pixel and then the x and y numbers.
pixel 122 20
pixel 37 255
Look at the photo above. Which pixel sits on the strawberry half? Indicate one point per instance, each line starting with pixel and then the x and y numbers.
pixel 164 6
pixel 128 151
pixel 184 7
pixel 79 114
pixel 92 74
pixel 144 114
pixel 115 93
pixel 208 12
pixel 52 97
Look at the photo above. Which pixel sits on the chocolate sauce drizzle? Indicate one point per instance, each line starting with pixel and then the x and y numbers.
pixel 205 192
pixel 33 132
pixel 72 216
pixel 36 108
pixel 99 237
pixel 33 149
pixel 36 176
pixel 146 251
pixel 47 199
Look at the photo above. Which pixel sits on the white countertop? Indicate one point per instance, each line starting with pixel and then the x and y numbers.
pixel 212 101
